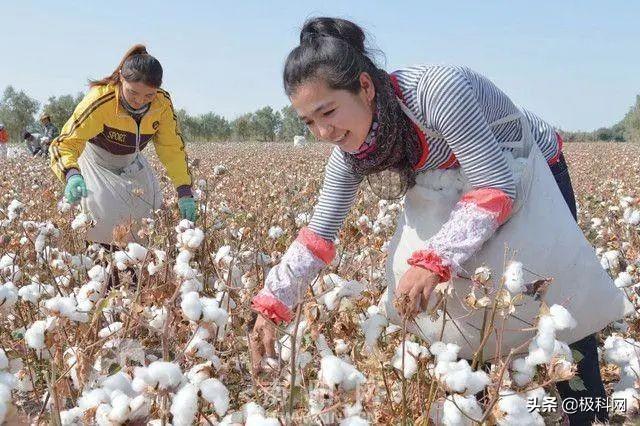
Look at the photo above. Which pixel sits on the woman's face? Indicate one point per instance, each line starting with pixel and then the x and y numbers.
pixel 137 94
pixel 336 116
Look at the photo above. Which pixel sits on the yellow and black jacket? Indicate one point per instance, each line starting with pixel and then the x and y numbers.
pixel 101 119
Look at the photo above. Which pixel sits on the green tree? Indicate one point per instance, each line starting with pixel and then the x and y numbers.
pixel 60 108
pixel 631 122
pixel 265 124
pixel 17 112
pixel 241 127
pixel 213 127
pixel 291 124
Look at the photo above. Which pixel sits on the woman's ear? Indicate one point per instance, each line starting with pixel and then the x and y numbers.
pixel 367 86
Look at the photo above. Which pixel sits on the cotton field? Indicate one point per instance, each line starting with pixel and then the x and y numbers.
pixel 165 340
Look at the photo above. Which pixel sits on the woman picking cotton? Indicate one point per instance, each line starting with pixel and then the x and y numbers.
pixel 418 122
pixel 98 153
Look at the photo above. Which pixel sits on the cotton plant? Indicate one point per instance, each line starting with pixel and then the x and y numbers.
pixel 339 288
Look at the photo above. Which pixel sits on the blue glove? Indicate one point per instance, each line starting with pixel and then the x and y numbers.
pixel 187 207
pixel 75 188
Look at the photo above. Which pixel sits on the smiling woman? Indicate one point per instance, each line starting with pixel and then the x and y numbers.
pixel 119 116
pixel 458 141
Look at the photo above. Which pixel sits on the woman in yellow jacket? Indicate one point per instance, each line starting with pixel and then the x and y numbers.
pixel 119 116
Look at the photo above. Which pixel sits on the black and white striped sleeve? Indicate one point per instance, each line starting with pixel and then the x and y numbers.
pixel 337 196
pixel 447 97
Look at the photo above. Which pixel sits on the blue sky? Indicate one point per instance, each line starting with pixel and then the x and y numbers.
pixel 575 63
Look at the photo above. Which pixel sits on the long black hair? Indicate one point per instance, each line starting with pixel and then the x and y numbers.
pixel 136 66
pixel 333 50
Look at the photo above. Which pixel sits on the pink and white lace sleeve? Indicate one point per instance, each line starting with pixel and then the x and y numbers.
pixel 287 282
pixel 472 222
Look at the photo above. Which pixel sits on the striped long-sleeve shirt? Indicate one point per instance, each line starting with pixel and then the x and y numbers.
pixel 459 104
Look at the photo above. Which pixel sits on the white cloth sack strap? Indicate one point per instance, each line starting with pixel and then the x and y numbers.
pixel 542 234
pixel 121 189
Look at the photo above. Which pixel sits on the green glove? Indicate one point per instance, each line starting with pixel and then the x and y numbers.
pixel 187 207
pixel 75 188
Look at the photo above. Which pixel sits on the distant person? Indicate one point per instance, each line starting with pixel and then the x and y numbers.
pixel 98 153
pixel 49 132
pixel 4 139
pixel 33 142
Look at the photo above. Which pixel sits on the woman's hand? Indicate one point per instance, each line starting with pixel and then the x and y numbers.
pixel 262 341
pixel 414 290
pixel 188 208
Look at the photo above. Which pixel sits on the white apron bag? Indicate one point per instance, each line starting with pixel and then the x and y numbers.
pixel 542 234
pixel 121 189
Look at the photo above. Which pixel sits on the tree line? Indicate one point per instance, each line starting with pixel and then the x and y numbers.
pixel 19 112
pixel 626 130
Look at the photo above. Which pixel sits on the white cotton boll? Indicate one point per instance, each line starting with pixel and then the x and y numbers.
pixel 620 351
pixel 223 254
pixel 260 420
pixel 184 271
pixel 514 277
pixel 14 209
pixel 217 394
pixel 136 252
pixel 537 355
pixel 190 239
pixel 167 374
pixel 546 337
pixel 523 372
pixel 110 330
pixel 80 221
pixel 183 225
pixel 341 288
pixel 72 417
pixel 185 406
pixel 336 372
pixel 563 351
pixel 459 377
pixel 121 259
pixel 158 317
pixel 562 319
pixel 341 347
pixel 200 372
pixel 8 296
pixel 63 206
pixel 119 381
pixel 98 273
pixel 191 306
pixel 354 421
pixel 454 407
pixel 120 409
pixel 631 216
pixel 211 312
pixel 219 169
pixel 610 259
pixel 34 292
pixel 302 219
pixel 412 352
pixel 596 222
pixel 623 280
pixel 66 307
pixel 275 232
pixel 92 398
pixel 445 352
pixel 631 396
pixel 35 334
pixel 4 361
pixel 190 285
pixel 372 328
pixel 516 413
